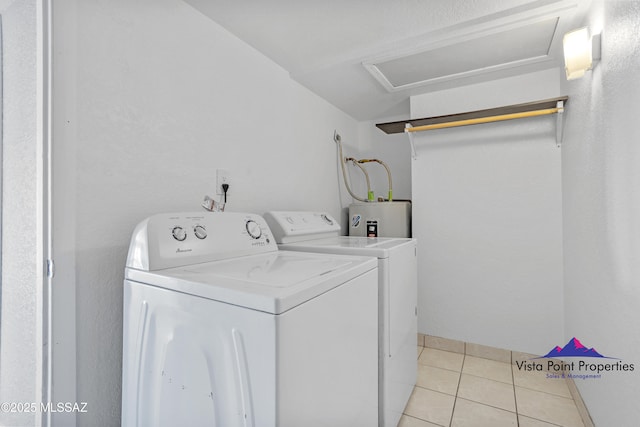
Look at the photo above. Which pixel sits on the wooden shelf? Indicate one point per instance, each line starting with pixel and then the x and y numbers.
pixel 470 117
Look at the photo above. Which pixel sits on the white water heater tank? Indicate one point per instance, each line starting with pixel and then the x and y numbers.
pixel 380 219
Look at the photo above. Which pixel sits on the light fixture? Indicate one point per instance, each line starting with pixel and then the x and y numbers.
pixel 580 50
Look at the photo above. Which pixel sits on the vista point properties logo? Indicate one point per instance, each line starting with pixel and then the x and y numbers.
pixel 586 369
pixel 573 348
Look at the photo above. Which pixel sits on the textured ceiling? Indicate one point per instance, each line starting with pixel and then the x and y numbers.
pixel 324 45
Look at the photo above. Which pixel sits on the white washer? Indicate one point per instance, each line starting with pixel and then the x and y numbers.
pixel 223 329
pixel 398 282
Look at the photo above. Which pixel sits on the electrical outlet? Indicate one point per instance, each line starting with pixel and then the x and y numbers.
pixel 222 177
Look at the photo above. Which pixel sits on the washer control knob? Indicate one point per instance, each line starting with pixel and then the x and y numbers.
pixel 200 232
pixel 179 234
pixel 253 229
pixel 326 219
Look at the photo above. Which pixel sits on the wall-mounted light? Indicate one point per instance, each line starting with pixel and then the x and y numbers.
pixel 580 50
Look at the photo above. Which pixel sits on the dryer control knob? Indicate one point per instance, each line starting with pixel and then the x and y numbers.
pixel 179 234
pixel 253 229
pixel 200 232
pixel 326 219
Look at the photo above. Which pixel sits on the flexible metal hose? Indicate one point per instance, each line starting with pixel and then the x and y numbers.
pixel 388 173
pixel 366 176
pixel 344 173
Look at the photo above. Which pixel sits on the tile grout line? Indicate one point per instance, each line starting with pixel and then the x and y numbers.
pixel 480 403
pixel 487 378
pixel 515 397
pixel 547 392
pixel 455 399
pixel 428 421
pixel 456 396
pixel 488 405
pixel 587 421
pixel 420 419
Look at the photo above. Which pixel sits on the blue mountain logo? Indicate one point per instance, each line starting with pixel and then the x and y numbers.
pixel 574 348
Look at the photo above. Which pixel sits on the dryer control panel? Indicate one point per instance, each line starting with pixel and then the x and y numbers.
pixel 179 239
pixel 295 226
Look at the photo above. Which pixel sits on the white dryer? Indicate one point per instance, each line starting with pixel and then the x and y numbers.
pixel 398 283
pixel 223 329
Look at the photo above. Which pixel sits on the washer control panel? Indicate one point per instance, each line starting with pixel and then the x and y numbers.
pixel 172 240
pixel 200 231
pixel 253 228
pixel 180 234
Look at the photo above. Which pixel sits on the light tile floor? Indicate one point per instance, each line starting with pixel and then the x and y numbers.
pixel 458 390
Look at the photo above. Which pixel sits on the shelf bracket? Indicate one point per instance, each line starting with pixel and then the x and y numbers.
pixel 559 123
pixel 412 143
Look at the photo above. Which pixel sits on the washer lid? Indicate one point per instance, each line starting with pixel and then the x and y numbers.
pixel 379 247
pixel 274 282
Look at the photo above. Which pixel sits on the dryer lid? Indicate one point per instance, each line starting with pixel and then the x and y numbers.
pixel 379 247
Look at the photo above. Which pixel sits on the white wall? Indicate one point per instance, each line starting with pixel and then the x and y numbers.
pixel 487 216
pixel 601 203
pixel 150 98
pixel 21 345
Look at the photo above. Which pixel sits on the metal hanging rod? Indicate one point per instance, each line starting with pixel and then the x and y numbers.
pixel 480 120
pixel 510 112
pixel 399 127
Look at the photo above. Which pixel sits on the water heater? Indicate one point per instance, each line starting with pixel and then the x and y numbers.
pixel 380 219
